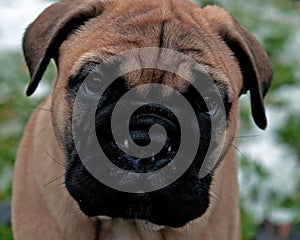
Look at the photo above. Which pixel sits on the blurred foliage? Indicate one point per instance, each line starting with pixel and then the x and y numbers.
pixel 5 233
pixel 15 109
pixel 10 114
pixel 293 202
pixel 249 224
pixel 290 133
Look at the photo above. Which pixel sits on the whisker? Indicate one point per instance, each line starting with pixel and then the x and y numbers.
pixel 61 188
pixel 69 197
pixel 58 162
pixel 239 151
pixel 211 212
pixel 59 184
pixel 246 136
pixel 215 181
pixel 54 180
pixel 215 195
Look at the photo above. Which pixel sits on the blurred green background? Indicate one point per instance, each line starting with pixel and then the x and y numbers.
pixel 268 161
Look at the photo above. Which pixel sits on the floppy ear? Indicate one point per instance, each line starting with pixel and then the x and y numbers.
pixel 44 36
pixel 255 66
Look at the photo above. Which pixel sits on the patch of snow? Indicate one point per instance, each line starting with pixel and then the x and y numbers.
pixel 15 16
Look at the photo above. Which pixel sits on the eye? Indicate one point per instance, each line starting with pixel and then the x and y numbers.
pixel 212 102
pixel 93 84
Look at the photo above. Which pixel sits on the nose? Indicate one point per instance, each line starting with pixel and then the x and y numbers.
pixel 142 133
pixel 163 143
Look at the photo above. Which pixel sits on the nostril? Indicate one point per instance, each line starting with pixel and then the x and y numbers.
pixel 170 142
pixel 151 128
pixel 144 122
pixel 140 137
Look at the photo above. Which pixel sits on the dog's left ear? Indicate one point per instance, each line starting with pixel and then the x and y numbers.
pixel 44 36
pixel 255 65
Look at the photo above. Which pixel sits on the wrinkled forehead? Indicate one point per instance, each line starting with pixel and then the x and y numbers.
pixel 144 66
pixel 155 25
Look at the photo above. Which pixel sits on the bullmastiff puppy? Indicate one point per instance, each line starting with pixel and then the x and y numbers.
pixel 56 197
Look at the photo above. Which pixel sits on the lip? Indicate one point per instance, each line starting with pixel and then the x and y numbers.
pixel 104 218
pixel 174 206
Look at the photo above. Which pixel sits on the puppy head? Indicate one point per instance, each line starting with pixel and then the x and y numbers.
pixel 79 36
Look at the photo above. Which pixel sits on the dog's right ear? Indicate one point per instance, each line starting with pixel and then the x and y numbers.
pixel 254 63
pixel 44 36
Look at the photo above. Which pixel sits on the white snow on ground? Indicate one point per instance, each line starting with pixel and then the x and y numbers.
pixel 15 15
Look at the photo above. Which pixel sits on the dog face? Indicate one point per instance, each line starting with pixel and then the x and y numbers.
pixel 80 35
